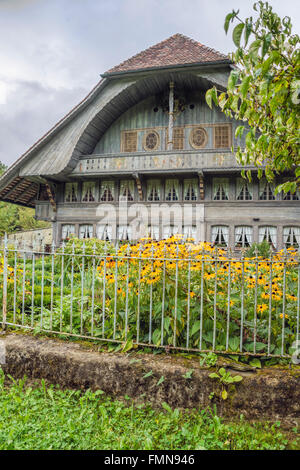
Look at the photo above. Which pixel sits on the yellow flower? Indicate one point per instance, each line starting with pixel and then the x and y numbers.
pixel 285 316
pixel 261 308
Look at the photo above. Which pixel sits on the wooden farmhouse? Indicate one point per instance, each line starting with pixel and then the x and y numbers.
pixel 143 155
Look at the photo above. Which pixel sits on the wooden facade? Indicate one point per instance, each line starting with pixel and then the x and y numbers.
pixel 143 155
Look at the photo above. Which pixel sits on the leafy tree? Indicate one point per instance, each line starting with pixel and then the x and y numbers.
pixel 264 91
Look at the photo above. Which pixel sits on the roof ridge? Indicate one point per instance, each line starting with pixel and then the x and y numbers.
pixel 168 54
pixel 146 49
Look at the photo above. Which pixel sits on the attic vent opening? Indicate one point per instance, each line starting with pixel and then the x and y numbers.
pixel 222 137
pixel 129 141
pixel 198 137
pixel 151 141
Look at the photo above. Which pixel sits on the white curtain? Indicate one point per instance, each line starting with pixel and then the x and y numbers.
pixel 289 233
pixel 124 232
pixel 107 191
pixel 297 234
pixel 269 234
pixel 268 188
pixel 71 192
pixel 67 231
pixel 238 235
pixel 190 190
pixel 241 186
pixel 214 234
pixel 220 185
pixel 104 232
pixel 88 191
pixel 169 230
pixel 218 233
pixel 190 231
pixel 248 231
pixel 86 231
pixel 153 190
pixel 126 190
pixel 172 190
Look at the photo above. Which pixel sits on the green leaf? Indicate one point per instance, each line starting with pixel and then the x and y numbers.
pixel 228 18
pixel 237 33
pixel 222 371
pixel 237 378
pixel 167 407
pixel 213 375
pixel 234 343
pixel 245 86
pixel 195 328
pixel 161 380
pixel 253 49
pixel 232 79
pixel 127 346
pixel 210 96
pixel 248 30
pixel 266 44
pixel 148 374
pixel 255 363
pixel 224 394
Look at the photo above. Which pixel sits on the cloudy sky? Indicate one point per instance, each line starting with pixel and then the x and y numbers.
pixel 52 52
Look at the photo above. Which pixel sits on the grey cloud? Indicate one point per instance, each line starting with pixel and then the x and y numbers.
pixel 31 110
pixel 15 4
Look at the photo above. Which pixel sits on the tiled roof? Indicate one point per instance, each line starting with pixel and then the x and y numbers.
pixel 176 50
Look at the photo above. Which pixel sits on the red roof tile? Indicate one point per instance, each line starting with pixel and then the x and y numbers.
pixel 176 50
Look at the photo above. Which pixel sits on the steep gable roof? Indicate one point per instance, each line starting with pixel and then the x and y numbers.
pixel 176 50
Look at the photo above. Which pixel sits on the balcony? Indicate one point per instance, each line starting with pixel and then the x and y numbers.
pixel 156 162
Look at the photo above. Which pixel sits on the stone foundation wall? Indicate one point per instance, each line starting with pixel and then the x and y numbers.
pixel 268 394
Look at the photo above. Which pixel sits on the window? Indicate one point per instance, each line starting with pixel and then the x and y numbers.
pixel 219 235
pixel 104 232
pixel 269 234
pixel 220 189
pixel 71 192
pixel 67 230
pixel 243 190
pixel 151 140
pixel 243 236
pixel 190 231
pixel 86 231
pixel 291 236
pixel 88 192
pixel 129 141
pixel 153 190
pixel 266 191
pixel 178 138
pixel 170 230
pixel 107 191
pixel 291 196
pixel 190 190
pixel 126 190
pixel 198 137
pixel 153 232
pixel 124 232
pixel 222 136
pixel 172 190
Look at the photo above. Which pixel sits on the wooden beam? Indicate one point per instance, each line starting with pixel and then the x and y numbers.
pixel 171 117
pixel 51 196
pixel 139 185
pixel 201 185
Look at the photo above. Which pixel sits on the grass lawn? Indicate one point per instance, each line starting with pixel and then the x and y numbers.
pixel 42 417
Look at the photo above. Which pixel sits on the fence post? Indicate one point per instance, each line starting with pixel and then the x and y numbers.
pixel 4 306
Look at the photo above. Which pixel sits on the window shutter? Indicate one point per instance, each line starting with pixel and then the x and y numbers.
pixel 129 141
pixel 222 137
